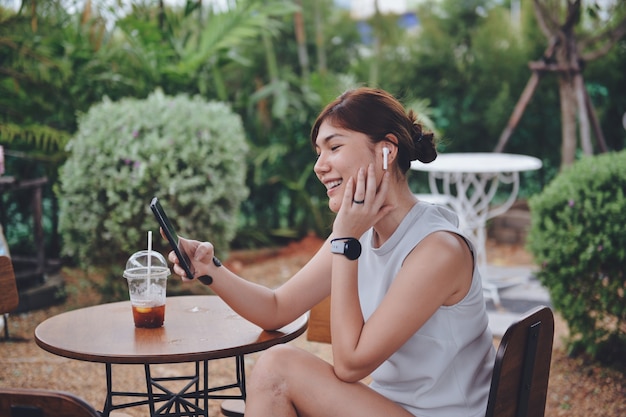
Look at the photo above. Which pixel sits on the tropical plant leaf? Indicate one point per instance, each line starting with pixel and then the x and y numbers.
pixel 44 138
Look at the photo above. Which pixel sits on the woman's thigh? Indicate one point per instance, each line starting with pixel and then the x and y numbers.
pixel 286 373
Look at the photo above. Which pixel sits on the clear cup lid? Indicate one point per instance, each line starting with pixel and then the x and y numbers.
pixel 138 263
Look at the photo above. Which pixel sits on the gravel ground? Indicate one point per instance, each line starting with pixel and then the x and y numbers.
pixel 577 387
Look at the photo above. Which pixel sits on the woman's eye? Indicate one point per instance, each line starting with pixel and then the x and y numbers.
pixel 334 148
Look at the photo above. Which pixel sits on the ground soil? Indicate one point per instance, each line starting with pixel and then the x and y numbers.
pixel 578 387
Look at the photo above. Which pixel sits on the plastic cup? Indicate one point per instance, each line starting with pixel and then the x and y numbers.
pixel 146 273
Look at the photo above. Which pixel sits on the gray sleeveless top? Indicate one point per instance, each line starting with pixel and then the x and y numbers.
pixel 445 368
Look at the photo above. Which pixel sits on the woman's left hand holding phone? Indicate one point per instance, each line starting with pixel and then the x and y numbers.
pixel 200 255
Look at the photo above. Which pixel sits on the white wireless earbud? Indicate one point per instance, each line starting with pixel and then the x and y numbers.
pixel 385 157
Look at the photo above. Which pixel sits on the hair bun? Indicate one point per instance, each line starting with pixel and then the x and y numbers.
pixel 424 144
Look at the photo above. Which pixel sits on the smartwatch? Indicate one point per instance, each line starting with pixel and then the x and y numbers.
pixel 346 246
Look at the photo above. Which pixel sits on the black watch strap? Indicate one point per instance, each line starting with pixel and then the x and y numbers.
pixel 208 279
pixel 347 246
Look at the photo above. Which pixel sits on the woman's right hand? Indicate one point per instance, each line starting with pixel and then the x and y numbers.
pixel 200 254
pixel 363 204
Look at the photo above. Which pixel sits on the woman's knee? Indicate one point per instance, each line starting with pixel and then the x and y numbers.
pixel 273 369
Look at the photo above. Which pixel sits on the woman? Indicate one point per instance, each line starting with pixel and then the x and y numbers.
pixel 406 306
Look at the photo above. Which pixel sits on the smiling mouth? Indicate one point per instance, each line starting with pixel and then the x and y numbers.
pixel 333 184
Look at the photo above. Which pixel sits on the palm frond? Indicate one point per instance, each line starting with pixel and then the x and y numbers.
pixel 232 29
pixel 43 138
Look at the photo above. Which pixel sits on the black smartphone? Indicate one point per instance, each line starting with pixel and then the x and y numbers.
pixel 172 237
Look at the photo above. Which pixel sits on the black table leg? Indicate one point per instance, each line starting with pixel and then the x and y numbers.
pixel 190 400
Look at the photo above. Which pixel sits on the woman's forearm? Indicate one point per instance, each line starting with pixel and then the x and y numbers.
pixel 254 302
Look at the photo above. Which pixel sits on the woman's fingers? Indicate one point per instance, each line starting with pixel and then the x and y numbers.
pixel 370 186
pixel 348 194
pixel 363 202
pixel 199 253
pixel 381 192
pixel 361 188
pixel 203 253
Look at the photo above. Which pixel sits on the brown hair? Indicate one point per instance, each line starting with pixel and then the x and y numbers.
pixel 376 114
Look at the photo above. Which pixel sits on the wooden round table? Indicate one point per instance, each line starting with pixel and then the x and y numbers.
pixel 196 329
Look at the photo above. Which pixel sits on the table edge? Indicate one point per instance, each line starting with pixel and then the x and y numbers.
pixel 302 323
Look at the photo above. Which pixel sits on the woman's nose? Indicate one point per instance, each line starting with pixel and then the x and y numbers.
pixel 320 165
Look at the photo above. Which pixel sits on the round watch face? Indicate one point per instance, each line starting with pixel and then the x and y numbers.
pixel 349 247
pixel 352 249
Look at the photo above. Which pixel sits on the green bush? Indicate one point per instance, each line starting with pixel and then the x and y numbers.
pixel 578 237
pixel 188 152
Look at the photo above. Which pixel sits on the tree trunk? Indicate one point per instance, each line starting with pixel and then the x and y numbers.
pixel 377 47
pixel 583 119
pixel 303 56
pixel 270 57
pixel 564 57
pixel 319 39
pixel 568 120
pixel 597 130
pixel 161 16
pixel 33 16
pixel 579 94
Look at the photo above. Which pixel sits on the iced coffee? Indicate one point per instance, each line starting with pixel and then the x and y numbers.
pixel 147 272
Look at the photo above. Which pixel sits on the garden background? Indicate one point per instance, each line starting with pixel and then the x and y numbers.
pixel 462 65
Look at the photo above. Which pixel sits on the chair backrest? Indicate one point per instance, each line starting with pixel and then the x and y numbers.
pixel 20 402
pixel 519 385
pixel 319 322
pixel 9 298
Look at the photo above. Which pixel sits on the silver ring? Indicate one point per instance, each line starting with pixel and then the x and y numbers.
pixel 358 202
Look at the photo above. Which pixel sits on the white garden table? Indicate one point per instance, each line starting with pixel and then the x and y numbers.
pixel 469 182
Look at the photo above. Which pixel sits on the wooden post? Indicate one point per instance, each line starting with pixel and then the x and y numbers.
pixel 527 94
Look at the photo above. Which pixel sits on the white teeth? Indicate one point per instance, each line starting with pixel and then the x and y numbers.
pixel 333 184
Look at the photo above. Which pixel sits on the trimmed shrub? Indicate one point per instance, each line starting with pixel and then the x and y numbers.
pixel 188 152
pixel 578 237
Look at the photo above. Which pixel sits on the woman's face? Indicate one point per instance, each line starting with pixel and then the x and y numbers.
pixel 341 153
